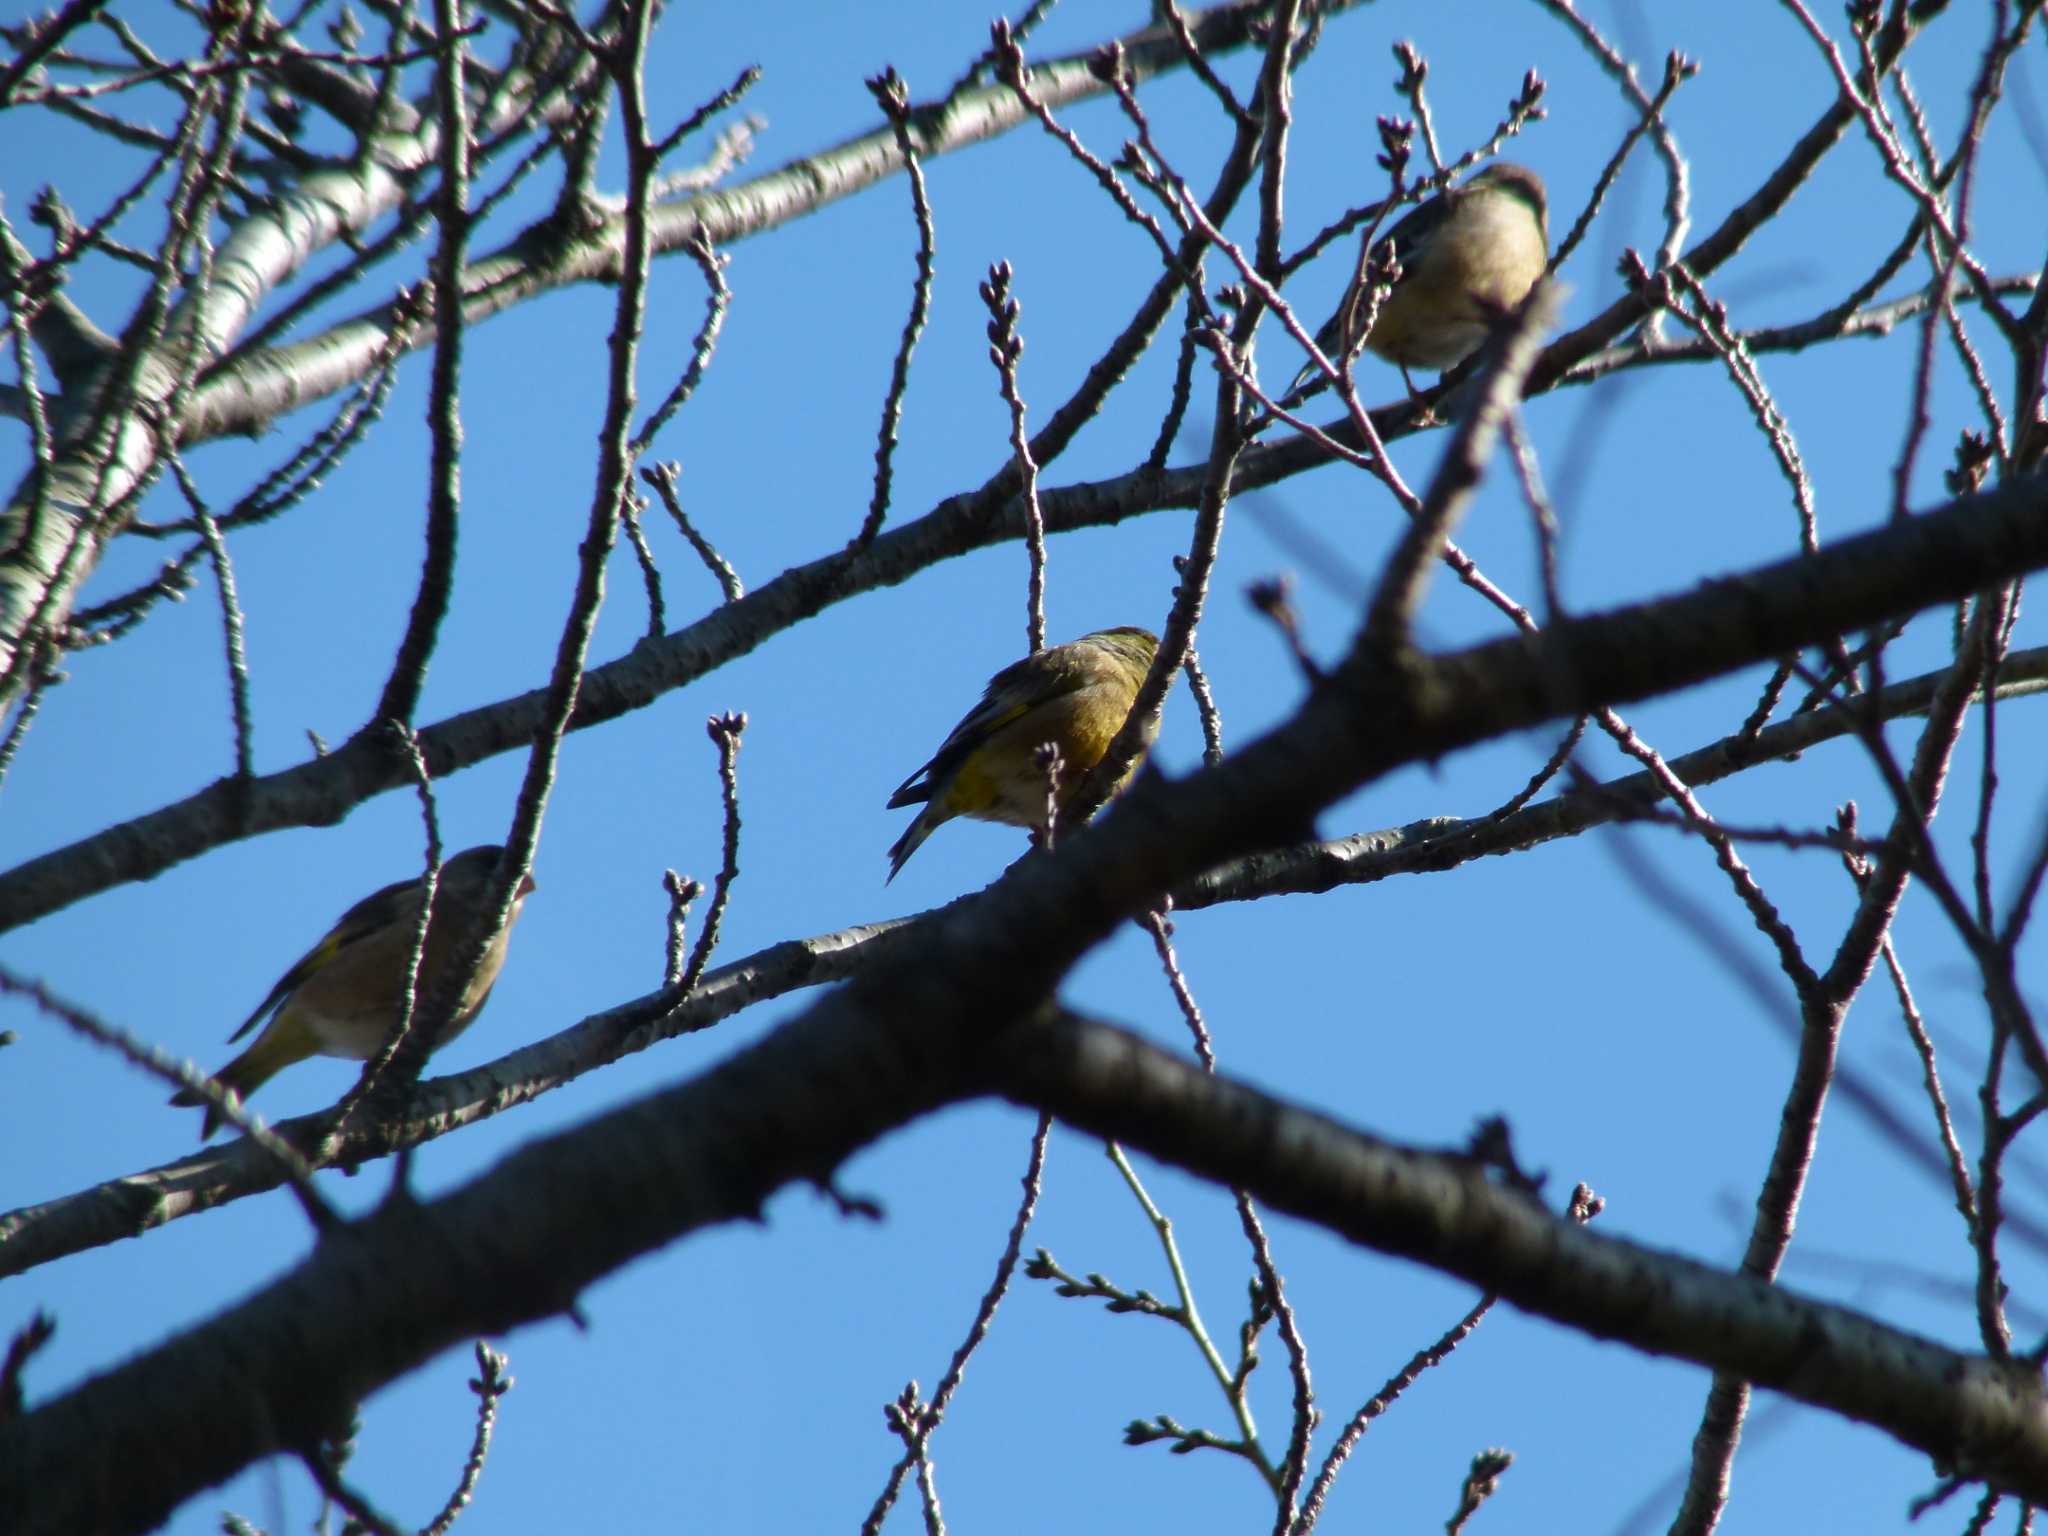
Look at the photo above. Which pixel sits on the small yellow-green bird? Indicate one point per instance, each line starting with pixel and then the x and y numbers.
pixel 344 995
pixel 1467 257
pixel 1075 696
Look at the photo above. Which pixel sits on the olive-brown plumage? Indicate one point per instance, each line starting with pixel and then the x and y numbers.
pixel 344 994
pixel 1075 696
pixel 1467 257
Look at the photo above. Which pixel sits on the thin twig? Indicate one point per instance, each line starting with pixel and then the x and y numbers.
pixel 1005 347
pixel 725 731
pixel 717 299
pixel 663 478
pixel 922 1424
pixel 893 96
pixel 1205 707
pixel 650 573
pixel 361 1512
pixel 374 1070
pixel 681 892
pixel 28 1339
pixel 489 1384
pixel 401 693
pixel 1189 1318
pixel 298 1173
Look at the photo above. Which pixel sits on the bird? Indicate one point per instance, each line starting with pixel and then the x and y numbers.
pixel 1075 696
pixel 1467 257
pixel 344 994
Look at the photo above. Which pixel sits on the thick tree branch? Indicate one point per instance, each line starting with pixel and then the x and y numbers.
pixel 1506 685
pixel 374 1300
pixel 54 546
pixel 130 1206
pixel 323 790
pixel 134 1204
pixel 248 394
pixel 520 1243
pixel 1996 535
pixel 1981 1418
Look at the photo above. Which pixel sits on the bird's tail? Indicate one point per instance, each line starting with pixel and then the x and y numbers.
pixel 1298 391
pixel 276 1048
pixel 921 827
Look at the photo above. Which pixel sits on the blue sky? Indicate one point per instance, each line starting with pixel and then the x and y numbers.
pixel 735 1380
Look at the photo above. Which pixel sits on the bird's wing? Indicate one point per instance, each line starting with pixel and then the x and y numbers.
pixel 365 917
pixel 1411 234
pixel 1049 680
pixel 1406 240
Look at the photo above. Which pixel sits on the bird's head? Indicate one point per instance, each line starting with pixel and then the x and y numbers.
pixel 1517 181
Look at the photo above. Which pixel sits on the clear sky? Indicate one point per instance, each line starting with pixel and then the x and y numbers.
pixel 735 1381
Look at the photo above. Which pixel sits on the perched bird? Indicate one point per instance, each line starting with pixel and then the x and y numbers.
pixel 344 995
pixel 1467 257
pixel 1075 696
